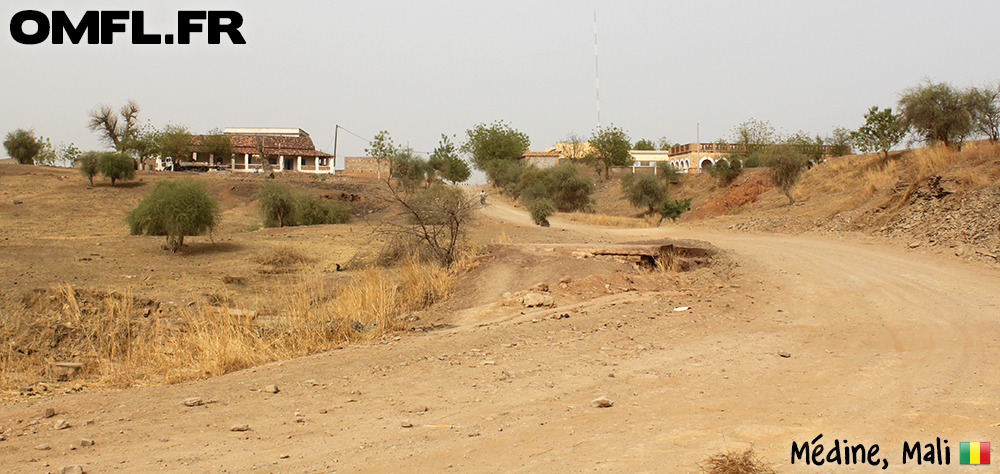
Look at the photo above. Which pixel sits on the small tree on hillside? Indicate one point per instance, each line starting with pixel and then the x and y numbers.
pixel 785 163
pixel 937 112
pixel 88 165
pixel 985 106
pixel 841 141
pixel 116 166
pixel 610 147
pixel 667 172
pixel 277 204
pixel 446 162
pixel 753 136
pixel 22 146
pixel 643 190
pixel 175 209
pixel 409 168
pixel 382 149
pixel 673 208
pixel 492 148
pixel 882 131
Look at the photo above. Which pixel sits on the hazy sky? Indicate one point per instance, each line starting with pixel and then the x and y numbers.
pixel 421 68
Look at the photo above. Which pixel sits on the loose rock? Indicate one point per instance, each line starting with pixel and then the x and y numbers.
pixel 193 401
pixel 72 469
pixel 784 353
pixel 538 299
pixel 602 402
pixel 240 427
pixel 416 408
pixel 406 424
pixel 86 442
pixel 540 287
pixel 271 388
pixel 48 413
pixel 43 447
pixel 566 279
pixel 61 425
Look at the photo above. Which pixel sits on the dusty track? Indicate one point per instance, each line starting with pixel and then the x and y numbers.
pixel 886 346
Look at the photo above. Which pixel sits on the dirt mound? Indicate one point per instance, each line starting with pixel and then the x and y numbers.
pixel 744 190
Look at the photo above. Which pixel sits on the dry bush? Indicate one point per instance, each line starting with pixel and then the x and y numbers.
pixel 122 344
pixel 612 221
pixel 282 259
pixel 731 462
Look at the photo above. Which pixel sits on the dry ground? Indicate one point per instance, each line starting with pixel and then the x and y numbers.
pixel 883 345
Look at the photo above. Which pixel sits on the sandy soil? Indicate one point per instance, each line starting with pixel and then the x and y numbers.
pixel 787 338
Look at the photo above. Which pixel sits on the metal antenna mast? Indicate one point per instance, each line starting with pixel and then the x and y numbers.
pixel 597 75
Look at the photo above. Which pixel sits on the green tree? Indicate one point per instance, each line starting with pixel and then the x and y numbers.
pixel 841 142
pixel 882 131
pixel 785 164
pixel 382 149
pixel 562 185
pixel 88 165
pixel 22 146
pixel 117 129
pixel 175 209
pixel 644 144
pixel 409 168
pixel 493 147
pixel 726 169
pixel 116 166
pixel 317 210
pixel 667 172
pixel 144 144
pixel 984 104
pixel 446 162
pixel 218 146
pixel 277 204
pixel 937 113
pixel 643 190
pixel 610 147
pixel 174 142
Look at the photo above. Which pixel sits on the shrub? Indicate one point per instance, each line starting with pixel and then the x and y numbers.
pixel 673 208
pixel 541 209
pixel 116 166
pixel 277 204
pixel 726 169
pixel 667 172
pixel 643 190
pixel 505 174
pixel 315 210
pixel 563 185
pixel 175 209
pixel 88 165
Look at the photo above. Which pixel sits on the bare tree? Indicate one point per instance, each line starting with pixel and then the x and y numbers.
pixel 117 129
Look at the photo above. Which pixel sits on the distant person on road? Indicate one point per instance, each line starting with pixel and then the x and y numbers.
pixel 482 197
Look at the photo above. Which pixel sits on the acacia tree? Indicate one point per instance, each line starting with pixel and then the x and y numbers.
pixel 494 149
pixel 116 166
pixel 785 164
pixel 87 162
pixel 882 131
pixel 175 209
pixel 984 103
pixel 936 113
pixel 610 147
pixel 117 129
pixel 841 141
pixel 644 144
pixel 22 146
pixel 409 168
pixel 218 145
pixel 575 146
pixel 382 149
pixel 753 136
pixel 174 142
pixel 643 190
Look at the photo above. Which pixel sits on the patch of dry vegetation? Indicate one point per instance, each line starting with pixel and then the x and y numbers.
pixel 731 462
pixel 121 342
pixel 611 221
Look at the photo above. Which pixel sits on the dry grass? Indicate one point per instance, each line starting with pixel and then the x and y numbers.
pixel 731 462
pixel 611 221
pixel 120 346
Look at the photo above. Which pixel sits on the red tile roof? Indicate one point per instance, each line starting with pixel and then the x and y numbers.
pixel 273 146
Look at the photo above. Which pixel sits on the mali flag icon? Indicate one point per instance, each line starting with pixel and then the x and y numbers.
pixel 975 452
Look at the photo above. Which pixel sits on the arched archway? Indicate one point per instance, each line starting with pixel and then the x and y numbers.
pixel 706 164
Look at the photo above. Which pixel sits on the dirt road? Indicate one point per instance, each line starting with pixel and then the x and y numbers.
pixel 863 343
